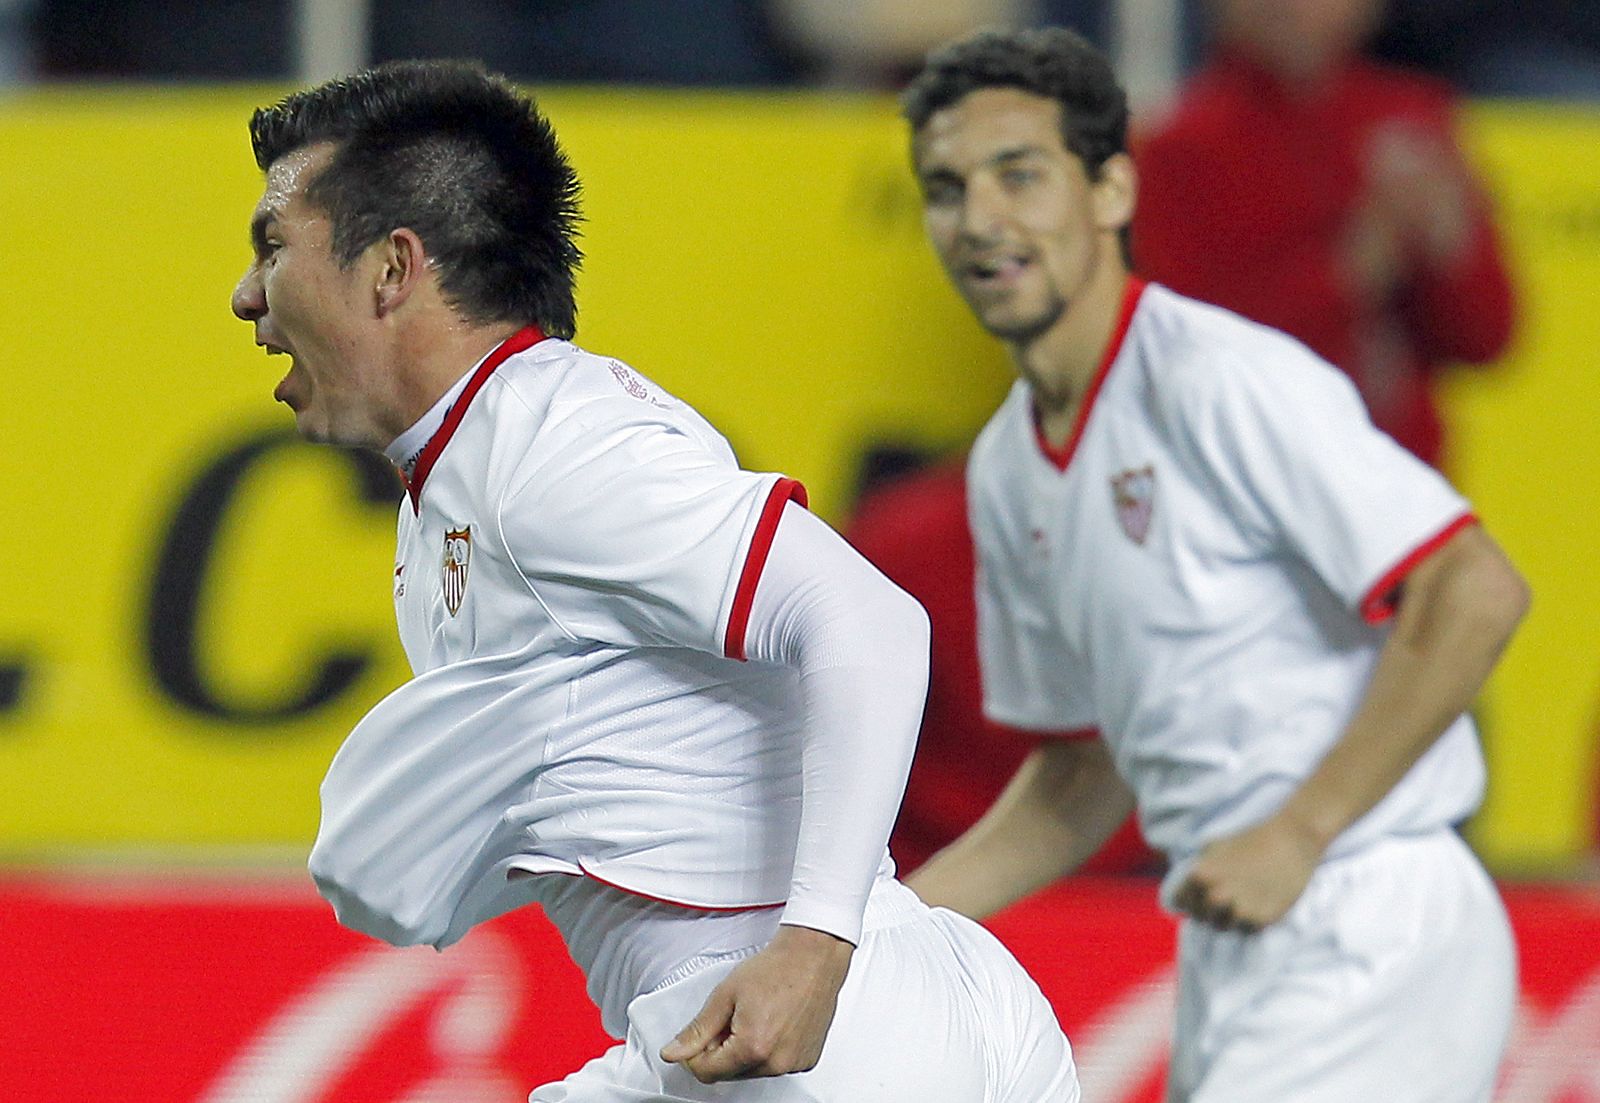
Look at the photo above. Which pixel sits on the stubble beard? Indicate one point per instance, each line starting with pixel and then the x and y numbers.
pixel 1027 330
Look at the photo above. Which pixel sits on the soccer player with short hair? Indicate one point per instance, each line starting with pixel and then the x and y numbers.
pixel 653 694
pixel 1241 608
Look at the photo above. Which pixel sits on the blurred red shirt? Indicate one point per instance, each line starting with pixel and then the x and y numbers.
pixel 1246 191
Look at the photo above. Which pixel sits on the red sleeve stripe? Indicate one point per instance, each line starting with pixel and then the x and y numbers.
pixel 1384 597
pixel 783 491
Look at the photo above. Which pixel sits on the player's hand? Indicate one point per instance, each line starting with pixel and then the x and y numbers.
pixel 770 1015
pixel 1246 881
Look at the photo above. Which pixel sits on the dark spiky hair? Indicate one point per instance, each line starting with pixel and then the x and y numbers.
pixel 1051 62
pixel 456 154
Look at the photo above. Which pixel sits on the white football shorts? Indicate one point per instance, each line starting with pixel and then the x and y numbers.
pixel 935 1010
pixel 1392 978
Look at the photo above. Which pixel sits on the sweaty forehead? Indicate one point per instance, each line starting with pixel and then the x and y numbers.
pixel 985 124
pixel 289 176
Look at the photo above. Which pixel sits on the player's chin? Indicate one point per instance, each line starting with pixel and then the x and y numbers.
pixel 316 428
pixel 1018 327
pixel 312 428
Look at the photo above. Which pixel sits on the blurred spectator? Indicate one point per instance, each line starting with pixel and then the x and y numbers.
pixel 867 43
pixel 914 528
pixel 1325 195
pixel 1490 47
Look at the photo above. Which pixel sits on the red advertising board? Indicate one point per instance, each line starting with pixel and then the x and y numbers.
pixel 226 990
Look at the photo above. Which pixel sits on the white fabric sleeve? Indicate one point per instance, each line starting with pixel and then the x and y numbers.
pixel 1299 462
pixel 631 532
pixel 860 645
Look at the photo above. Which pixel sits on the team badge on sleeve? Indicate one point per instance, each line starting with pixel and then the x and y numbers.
pixel 1134 493
pixel 457 558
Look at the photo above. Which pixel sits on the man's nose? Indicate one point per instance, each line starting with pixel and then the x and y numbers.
pixel 981 212
pixel 249 297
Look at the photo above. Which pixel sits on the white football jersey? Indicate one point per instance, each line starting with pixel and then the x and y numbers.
pixel 573 577
pixel 1202 573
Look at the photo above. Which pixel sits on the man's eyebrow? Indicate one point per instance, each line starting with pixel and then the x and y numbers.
pixel 1001 159
pixel 258 227
pixel 1013 155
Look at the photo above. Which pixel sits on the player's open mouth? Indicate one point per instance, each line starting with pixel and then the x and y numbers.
pixel 283 392
pixel 998 270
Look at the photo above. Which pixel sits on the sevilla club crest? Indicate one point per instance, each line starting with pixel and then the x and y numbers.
pixel 1134 493
pixel 457 558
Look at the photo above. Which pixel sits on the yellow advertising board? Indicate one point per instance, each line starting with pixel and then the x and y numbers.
pixel 1527 452
pixel 199 609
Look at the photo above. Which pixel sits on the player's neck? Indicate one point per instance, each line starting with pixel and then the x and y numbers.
pixel 432 359
pixel 1060 364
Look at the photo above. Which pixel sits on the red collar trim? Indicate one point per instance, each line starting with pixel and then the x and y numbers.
pixel 1062 456
pixel 524 338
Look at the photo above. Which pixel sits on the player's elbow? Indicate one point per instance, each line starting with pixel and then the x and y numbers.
pixel 1489 591
pixel 889 637
pixel 869 624
pixel 1504 596
pixel 903 627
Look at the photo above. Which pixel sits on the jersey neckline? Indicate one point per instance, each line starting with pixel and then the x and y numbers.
pixel 1059 458
pixel 524 338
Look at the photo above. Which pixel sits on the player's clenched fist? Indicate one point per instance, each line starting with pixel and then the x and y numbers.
pixel 771 1015
pixel 1251 879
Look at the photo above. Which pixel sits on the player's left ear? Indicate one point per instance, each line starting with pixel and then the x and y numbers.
pixel 402 260
pixel 1115 192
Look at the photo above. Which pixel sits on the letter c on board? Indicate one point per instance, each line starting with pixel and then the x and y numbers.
pixel 173 609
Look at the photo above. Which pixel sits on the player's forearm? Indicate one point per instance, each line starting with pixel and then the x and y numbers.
pixel 862 724
pixel 1065 801
pixel 860 647
pixel 1457 614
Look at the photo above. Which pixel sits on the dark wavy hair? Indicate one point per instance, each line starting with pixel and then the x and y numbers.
pixel 456 154
pixel 1050 62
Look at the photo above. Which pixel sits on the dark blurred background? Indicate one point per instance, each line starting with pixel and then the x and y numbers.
pixel 1547 48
